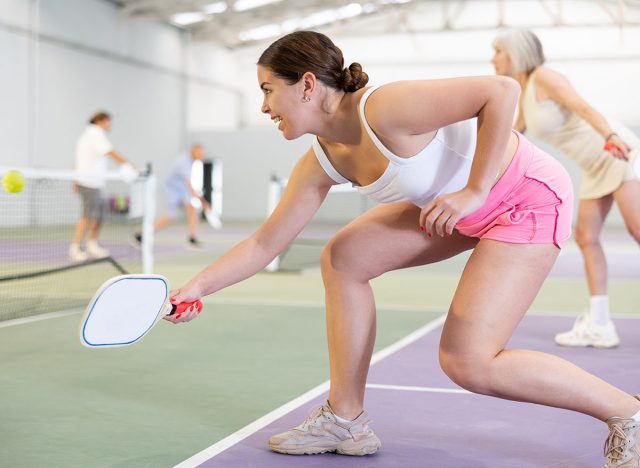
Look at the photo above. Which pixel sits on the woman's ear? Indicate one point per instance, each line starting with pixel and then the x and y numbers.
pixel 309 84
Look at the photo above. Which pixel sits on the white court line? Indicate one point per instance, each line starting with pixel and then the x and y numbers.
pixel 289 303
pixel 320 304
pixel 38 318
pixel 390 307
pixel 412 388
pixel 227 301
pixel 267 419
pixel 382 306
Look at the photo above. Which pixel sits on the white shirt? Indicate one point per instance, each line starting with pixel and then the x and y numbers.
pixel 443 166
pixel 91 156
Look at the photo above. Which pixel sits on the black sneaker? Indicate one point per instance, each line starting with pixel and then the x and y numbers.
pixel 193 244
pixel 136 241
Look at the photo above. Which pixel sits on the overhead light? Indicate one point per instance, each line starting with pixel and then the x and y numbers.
pixel 185 19
pixel 349 11
pixel 369 8
pixel 261 32
pixel 242 5
pixel 213 8
pixel 316 19
pixel 394 1
pixel 323 17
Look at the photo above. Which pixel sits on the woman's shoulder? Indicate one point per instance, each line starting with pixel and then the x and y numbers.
pixel 386 92
pixel 384 101
pixel 546 77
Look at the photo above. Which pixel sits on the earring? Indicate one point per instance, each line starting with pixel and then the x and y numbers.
pixel 306 98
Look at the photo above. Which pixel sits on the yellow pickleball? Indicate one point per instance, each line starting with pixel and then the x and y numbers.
pixel 13 181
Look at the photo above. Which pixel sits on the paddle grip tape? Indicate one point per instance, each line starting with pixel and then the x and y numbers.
pixel 608 146
pixel 180 308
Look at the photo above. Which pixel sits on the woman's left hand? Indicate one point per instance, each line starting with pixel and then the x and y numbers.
pixel 441 215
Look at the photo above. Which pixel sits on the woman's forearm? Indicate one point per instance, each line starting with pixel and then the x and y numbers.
pixel 597 121
pixel 241 262
pixel 494 125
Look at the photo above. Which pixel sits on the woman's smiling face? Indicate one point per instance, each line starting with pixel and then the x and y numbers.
pixel 282 102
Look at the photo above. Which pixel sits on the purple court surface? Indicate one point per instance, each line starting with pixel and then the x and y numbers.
pixel 424 420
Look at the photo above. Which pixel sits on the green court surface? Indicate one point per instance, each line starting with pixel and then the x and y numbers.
pixel 256 346
pixel 171 395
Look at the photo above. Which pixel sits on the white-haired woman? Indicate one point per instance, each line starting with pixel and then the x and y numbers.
pixel 552 111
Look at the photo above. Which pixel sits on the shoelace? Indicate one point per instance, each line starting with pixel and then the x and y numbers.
pixel 313 416
pixel 614 445
pixel 319 412
pixel 580 324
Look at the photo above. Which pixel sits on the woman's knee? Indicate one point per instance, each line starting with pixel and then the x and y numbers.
pixel 332 256
pixel 586 237
pixel 340 257
pixel 634 230
pixel 470 374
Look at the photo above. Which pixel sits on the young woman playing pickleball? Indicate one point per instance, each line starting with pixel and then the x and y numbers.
pixel 446 183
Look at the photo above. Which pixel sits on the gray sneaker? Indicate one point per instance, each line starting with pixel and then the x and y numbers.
pixel 622 447
pixel 322 432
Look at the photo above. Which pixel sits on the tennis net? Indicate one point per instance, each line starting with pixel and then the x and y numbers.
pixel 343 203
pixel 37 226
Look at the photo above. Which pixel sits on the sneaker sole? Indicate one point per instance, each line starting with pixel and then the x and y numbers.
pixel 584 344
pixel 351 448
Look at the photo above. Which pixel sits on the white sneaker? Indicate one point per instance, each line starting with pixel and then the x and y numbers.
pixel 213 219
pixel 586 333
pixel 76 254
pixel 95 250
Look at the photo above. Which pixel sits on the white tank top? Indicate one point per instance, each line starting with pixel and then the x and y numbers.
pixel 441 167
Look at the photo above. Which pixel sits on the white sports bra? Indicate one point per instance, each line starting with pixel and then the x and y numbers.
pixel 441 167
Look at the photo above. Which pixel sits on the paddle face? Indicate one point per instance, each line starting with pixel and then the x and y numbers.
pixel 123 310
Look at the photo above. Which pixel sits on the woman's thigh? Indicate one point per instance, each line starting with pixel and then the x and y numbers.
pixel 628 199
pixel 386 238
pixel 496 289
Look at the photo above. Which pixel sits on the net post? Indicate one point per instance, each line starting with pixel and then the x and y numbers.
pixel 38 223
pixel 275 193
pixel 148 220
pixel 216 186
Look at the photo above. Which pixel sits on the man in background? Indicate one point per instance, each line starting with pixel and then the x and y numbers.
pixel 179 194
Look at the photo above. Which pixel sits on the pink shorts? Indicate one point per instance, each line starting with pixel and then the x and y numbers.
pixel 532 203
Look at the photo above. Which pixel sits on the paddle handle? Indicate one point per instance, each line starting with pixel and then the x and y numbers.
pixel 608 146
pixel 179 308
